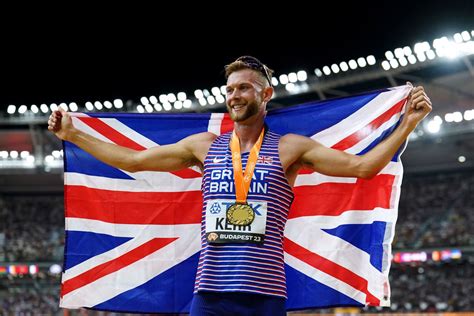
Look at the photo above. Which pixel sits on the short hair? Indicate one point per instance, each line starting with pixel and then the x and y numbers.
pixel 249 62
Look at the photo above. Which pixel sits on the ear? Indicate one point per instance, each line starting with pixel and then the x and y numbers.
pixel 267 94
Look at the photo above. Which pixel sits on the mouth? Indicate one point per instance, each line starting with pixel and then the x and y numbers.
pixel 238 107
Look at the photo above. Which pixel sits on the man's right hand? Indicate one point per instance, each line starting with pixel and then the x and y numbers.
pixel 60 123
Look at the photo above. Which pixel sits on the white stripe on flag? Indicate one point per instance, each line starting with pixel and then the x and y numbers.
pixel 153 182
pixel 215 123
pixel 362 117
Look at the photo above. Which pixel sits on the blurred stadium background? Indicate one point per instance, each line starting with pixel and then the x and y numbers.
pixel 433 262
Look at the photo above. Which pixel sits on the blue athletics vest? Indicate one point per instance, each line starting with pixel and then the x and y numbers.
pixel 243 258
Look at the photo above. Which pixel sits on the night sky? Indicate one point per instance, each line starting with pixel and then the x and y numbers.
pixel 130 59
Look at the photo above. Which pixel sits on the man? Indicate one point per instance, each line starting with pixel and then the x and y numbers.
pixel 246 199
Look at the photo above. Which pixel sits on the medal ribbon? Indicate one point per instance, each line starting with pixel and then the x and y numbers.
pixel 242 180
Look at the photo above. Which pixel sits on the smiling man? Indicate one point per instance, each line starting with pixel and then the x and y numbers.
pixel 248 176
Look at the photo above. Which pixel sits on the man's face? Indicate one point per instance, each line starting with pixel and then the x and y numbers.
pixel 244 95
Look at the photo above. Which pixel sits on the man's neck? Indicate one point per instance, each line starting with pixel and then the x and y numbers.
pixel 248 134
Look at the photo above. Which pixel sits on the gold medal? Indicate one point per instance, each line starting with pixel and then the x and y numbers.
pixel 240 214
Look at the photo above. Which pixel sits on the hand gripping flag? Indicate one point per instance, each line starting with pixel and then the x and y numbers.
pixel 133 239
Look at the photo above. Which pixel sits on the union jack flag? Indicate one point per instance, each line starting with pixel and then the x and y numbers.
pixel 133 239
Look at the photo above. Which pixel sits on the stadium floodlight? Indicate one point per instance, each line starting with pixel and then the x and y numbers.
pixel 118 103
pixel 457 117
pixel 407 51
pixel 326 70
pixel 461 159
pixel 318 72
pixel 166 105
pixel 385 65
pixel 144 100
pixel 198 93
pixel 433 127
pixel 448 117
pixel 153 99
pixel 171 97
pixel 163 98
pixel 187 103
pixel 421 47
pixel 352 64
pixel 220 99
pixel 421 57
pixel 274 83
pixel 11 109
pixel 178 105
pixel 399 52
pixel 206 93
pixel 412 59
pixel 283 79
pixel 98 105
pixel 292 77
pixel 394 63
pixel 56 154
pixel 181 96
pixel 24 154
pixel 465 36
pixel 149 108
pixel 335 68
pixel 361 62
pixel 73 106
pixel 457 38
pixel 211 100
pixel 469 115
pixel 389 55
pixel 140 109
pixel 89 106
pixel 34 108
pixel 108 104
pixel 371 60
pixel 64 106
pixel 4 154
pixel 44 108
pixel 22 109
pixel 344 66
pixel 438 119
pixel 202 101
pixel 403 61
pixel 224 87
pixel 30 159
pixel 430 54
pixel 215 91
pixel 49 159
pixel 158 107
pixel 13 154
pixel 302 75
pixel 290 87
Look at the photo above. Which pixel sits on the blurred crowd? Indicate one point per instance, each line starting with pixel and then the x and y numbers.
pixel 435 210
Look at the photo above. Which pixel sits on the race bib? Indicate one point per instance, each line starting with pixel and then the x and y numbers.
pixel 219 230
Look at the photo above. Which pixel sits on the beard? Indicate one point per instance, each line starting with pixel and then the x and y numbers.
pixel 249 110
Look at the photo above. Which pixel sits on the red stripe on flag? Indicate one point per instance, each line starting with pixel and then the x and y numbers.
pixel 161 208
pixel 362 133
pixel 111 133
pixel 331 268
pixel 227 125
pixel 111 266
pixel 122 140
pixel 335 198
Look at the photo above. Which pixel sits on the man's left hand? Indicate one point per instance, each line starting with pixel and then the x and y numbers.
pixel 418 106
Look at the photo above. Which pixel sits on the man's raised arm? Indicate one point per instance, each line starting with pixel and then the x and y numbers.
pixel 189 151
pixel 309 153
